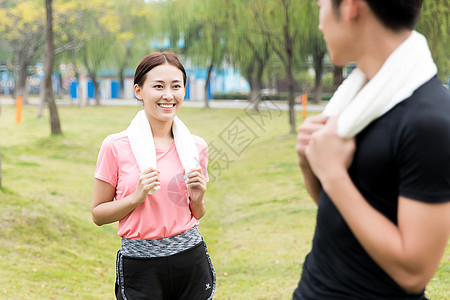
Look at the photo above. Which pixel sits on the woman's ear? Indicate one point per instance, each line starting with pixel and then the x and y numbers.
pixel 138 92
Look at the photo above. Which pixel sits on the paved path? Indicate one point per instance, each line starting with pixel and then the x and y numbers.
pixel 231 104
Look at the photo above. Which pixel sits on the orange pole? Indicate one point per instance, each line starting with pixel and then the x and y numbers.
pixel 19 108
pixel 304 105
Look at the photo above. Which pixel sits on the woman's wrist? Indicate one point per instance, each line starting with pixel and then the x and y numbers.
pixel 196 202
pixel 136 199
pixel 198 208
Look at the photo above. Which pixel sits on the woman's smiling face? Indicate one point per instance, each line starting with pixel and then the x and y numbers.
pixel 162 92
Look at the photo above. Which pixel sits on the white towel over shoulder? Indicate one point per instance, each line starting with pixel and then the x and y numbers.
pixel 358 101
pixel 143 147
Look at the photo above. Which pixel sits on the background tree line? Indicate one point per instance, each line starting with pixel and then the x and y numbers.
pixel 267 40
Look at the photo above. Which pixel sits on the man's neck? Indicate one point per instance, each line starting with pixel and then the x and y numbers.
pixel 378 45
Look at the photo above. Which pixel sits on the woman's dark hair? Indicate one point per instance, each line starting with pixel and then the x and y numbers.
pixel 156 59
pixel 394 14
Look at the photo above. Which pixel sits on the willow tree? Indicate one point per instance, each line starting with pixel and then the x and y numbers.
pixel 249 49
pixel 311 43
pixel 213 37
pixel 281 21
pixel 70 31
pixel 434 23
pixel 22 27
pixel 92 56
pixel 203 26
pixel 209 50
pixel 48 69
pixel 97 38
pixel 135 27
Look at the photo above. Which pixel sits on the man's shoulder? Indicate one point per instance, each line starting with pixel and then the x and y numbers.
pixel 433 89
pixel 431 99
pixel 427 107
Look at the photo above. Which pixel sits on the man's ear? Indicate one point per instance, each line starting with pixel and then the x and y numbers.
pixel 351 9
pixel 138 92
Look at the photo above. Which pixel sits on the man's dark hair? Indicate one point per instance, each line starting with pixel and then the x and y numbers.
pixel 394 14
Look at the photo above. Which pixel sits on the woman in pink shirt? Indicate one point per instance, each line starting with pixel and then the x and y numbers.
pixel 163 255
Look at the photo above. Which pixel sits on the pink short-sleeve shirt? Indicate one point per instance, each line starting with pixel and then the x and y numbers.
pixel 163 214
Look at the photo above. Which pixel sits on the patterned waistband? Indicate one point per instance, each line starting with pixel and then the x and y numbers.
pixel 161 247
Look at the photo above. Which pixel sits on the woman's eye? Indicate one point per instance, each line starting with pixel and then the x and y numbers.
pixel 158 86
pixel 177 86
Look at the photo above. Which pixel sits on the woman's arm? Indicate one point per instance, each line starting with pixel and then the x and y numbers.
pixel 105 210
pixel 197 188
pixel 410 252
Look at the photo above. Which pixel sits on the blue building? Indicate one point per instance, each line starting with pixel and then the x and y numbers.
pixel 226 80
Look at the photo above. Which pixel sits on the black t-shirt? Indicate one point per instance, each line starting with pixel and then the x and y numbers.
pixel 405 152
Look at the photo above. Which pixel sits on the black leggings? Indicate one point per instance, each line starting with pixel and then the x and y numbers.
pixel 185 275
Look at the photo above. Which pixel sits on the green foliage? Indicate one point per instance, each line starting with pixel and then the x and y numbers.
pixel 305 80
pixel 202 24
pixel 95 34
pixel 247 45
pixel 212 29
pixel 22 21
pixel 22 30
pixel 4 53
pixel 130 44
pixel 258 227
pixel 328 82
pixel 434 24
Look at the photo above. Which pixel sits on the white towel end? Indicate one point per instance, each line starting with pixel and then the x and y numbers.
pixel 154 190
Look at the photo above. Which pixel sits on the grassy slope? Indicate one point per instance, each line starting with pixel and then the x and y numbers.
pixel 258 226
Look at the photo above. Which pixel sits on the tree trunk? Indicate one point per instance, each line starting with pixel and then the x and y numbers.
pixel 41 102
pixel 122 83
pixel 289 46
pixel 93 76
pixel 96 88
pixel 96 91
pixel 253 96
pixel 258 83
pixel 318 68
pixel 290 77
pixel 122 75
pixel 291 97
pixel 48 69
pixel 338 77
pixel 21 86
pixel 208 79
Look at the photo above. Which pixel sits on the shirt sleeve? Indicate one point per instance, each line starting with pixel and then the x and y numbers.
pixel 424 159
pixel 107 167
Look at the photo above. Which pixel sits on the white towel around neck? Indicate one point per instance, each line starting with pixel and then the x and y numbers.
pixel 357 102
pixel 141 141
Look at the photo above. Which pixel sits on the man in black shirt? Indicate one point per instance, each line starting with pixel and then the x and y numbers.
pixel 382 183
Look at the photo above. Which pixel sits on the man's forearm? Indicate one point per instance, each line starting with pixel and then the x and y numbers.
pixel 312 184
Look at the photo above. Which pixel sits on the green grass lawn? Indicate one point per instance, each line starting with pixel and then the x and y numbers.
pixel 258 226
